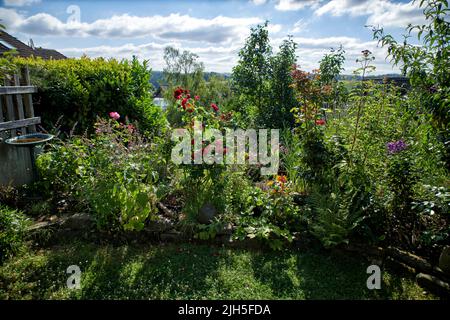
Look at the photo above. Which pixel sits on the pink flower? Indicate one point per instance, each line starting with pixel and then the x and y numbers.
pixel 215 107
pixel 197 98
pixel 114 115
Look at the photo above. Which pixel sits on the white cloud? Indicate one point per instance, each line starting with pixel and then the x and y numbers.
pixel 223 58
pixel 300 26
pixel 258 2
pixel 20 3
pixel 172 27
pixel 217 40
pixel 215 58
pixel 378 12
pixel 9 17
pixel 295 5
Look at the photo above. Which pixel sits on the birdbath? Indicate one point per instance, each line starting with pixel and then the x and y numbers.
pixel 30 141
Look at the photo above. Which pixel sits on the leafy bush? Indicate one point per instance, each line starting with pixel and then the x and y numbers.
pixel 268 213
pixel 432 206
pixel 12 231
pixel 113 173
pixel 426 64
pixel 82 89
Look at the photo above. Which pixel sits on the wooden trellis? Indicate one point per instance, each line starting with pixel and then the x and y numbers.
pixel 16 104
pixel 16 117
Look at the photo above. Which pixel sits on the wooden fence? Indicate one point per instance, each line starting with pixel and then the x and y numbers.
pixel 16 118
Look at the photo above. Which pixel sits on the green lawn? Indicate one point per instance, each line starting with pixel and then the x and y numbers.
pixel 189 271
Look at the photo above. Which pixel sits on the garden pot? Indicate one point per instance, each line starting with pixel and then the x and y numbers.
pixel 206 213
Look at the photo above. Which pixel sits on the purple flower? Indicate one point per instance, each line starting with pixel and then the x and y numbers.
pixel 396 146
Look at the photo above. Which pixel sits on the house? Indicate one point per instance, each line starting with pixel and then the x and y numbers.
pixel 8 43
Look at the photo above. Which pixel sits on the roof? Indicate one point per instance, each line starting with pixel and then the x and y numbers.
pixel 49 54
pixel 26 51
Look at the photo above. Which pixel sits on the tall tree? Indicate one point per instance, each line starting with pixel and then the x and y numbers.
pixel 182 69
pixel 250 76
pixel 277 114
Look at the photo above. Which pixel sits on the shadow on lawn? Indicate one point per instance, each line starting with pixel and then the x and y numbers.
pixel 162 272
pixel 320 275
pixel 186 271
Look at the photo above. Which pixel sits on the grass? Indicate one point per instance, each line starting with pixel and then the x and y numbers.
pixel 188 271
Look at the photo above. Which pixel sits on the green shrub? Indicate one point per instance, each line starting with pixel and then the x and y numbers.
pixel 12 231
pixel 79 90
pixel 268 213
pixel 114 174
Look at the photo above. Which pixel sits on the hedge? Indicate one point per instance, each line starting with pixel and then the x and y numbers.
pixel 81 89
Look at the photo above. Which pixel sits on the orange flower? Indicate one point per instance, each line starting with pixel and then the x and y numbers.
pixel 282 179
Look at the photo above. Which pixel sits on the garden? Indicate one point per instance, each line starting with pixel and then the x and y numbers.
pixel 361 177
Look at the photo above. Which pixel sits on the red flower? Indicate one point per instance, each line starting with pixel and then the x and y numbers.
pixel 183 103
pixel 190 109
pixel 320 122
pixel 215 107
pixel 197 98
pixel 177 93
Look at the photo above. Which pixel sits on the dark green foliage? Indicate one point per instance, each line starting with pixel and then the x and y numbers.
pixel 250 76
pixel 80 90
pixel 262 81
pixel 276 114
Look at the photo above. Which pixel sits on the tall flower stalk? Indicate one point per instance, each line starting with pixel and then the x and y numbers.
pixel 365 68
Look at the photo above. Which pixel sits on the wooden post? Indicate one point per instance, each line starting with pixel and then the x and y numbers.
pixel 19 104
pixel 10 109
pixel 28 100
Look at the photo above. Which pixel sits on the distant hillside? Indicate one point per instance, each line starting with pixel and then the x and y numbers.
pixel 157 77
pixel 354 77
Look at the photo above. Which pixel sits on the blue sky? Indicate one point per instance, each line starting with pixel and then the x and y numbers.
pixel 214 29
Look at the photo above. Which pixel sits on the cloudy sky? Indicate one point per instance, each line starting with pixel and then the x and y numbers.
pixel 214 29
